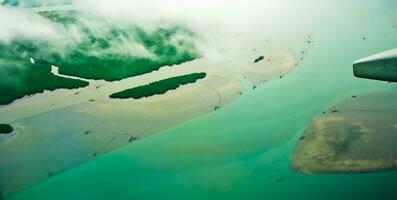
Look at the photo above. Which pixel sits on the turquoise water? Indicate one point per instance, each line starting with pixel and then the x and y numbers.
pixel 242 151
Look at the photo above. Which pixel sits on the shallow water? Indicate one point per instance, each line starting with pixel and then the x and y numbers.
pixel 243 150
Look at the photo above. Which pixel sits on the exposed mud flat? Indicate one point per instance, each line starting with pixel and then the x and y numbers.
pixel 237 151
pixel 357 135
pixel 64 128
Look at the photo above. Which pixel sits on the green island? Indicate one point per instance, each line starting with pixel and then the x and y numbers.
pixel 23 79
pixel 6 129
pixel 260 58
pixel 158 87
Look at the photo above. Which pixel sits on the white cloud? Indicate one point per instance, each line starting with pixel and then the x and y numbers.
pixel 17 22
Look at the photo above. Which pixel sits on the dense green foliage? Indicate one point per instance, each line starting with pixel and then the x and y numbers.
pixel 158 87
pixel 88 47
pixel 260 58
pixel 61 17
pixel 5 129
pixel 114 53
pixel 22 78
pixel 104 51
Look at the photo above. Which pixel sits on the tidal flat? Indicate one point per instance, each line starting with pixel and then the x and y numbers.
pixel 354 136
pixel 181 146
pixel 102 124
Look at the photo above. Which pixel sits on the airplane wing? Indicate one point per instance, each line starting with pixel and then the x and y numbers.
pixel 381 66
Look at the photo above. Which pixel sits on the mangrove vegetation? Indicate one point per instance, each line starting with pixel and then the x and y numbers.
pixel 6 129
pixel 104 50
pixel 260 58
pixel 88 47
pixel 158 87
pixel 23 78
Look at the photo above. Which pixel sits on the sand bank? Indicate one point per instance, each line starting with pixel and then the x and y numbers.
pixel 357 135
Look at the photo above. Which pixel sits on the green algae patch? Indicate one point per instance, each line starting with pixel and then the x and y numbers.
pixel 158 87
pixel 23 79
pixel 6 129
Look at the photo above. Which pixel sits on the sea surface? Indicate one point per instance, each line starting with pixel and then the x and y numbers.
pixel 243 150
